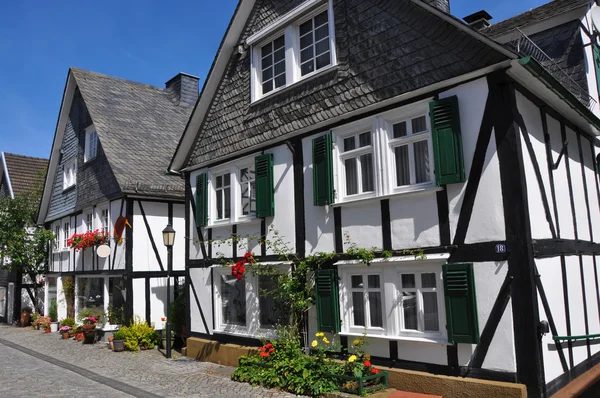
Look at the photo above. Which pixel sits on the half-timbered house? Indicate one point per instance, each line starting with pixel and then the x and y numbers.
pixel 113 141
pixel 392 124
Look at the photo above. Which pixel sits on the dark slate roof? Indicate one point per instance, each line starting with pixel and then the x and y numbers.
pixel 24 172
pixel 384 49
pixel 138 127
pixel 535 15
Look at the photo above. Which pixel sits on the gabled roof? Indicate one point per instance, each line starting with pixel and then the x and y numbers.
pixel 22 172
pixel 138 126
pixel 457 48
pixel 535 15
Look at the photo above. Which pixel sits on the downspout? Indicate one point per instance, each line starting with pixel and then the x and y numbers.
pixel 12 195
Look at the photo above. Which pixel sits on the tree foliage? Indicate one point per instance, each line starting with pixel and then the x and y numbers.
pixel 23 246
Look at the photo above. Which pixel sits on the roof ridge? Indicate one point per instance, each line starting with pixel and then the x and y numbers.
pixel 25 156
pixel 105 76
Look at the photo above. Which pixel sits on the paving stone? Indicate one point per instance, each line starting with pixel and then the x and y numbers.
pixel 146 371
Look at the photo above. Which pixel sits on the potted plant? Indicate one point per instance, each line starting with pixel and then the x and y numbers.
pixel 79 334
pixel 119 338
pixel 69 322
pixel 65 331
pixel 53 315
pixel 44 323
pixel 25 316
pixel 89 329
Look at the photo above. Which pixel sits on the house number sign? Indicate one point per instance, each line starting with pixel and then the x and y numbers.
pixel 500 248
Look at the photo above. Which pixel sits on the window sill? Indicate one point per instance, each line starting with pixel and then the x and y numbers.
pixel 227 223
pixel 421 190
pixel 432 340
pixel 69 188
pixel 262 333
pixel 311 76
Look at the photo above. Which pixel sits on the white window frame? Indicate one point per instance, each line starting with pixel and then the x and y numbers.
pixel 70 173
pixel 66 231
pixel 383 143
pixel 106 303
pixel 364 273
pixel 100 219
pixel 91 136
pixel 238 197
pixel 253 327
pixel 288 26
pixel 88 223
pixel 391 288
pixel 235 215
pixel 58 237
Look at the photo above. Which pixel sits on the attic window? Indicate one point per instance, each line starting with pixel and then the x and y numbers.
pixel 295 47
pixel 70 173
pixel 91 143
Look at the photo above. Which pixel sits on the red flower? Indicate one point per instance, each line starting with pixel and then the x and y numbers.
pixel 264 354
pixel 268 345
pixel 374 371
pixel 262 349
pixel 367 363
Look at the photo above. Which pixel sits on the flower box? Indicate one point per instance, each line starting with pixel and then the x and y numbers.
pixel 362 385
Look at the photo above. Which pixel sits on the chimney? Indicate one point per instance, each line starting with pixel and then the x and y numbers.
pixel 479 20
pixel 183 89
pixel 443 5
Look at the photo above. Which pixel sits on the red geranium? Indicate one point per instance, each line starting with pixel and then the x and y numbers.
pixel 367 363
pixel 264 354
pixel 238 269
pixel 374 371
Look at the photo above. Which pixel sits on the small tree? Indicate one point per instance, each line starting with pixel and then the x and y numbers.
pixel 23 246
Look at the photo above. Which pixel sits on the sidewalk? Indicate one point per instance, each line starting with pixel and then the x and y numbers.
pixel 143 373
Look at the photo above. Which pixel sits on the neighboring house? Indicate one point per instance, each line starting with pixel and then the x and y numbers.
pixel 397 124
pixel 18 176
pixel 112 145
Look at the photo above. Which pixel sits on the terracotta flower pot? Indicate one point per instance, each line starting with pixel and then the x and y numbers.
pixel 47 330
pixel 25 318
pixel 79 336
pixel 65 336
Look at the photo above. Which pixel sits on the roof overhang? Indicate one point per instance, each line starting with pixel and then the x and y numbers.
pixel 549 90
pixel 4 172
pixel 61 125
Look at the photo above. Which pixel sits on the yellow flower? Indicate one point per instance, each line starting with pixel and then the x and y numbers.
pixel 352 358
pixel 320 334
pixel 314 343
pixel 356 342
pixel 325 340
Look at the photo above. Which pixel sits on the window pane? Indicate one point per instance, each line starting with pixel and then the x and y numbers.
pixel 366 167
pixel 351 176
pixel 399 130
pixel 374 282
pixel 306 41
pixel 322 33
pixel 219 181
pixel 357 282
pixel 266 51
pixel 267 86
pixel 116 300
pixel 280 81
pixel 321 19
pixel 428 280
pixel 307 68
pixel 219 204
pixel 268 312
pixel 279 68
pixel 233 300
pixel 323 60
pixel 430 310
pixel 306 55
pixel 375 309
pixel 306 27
pixel 419 124
pixel 409 306
pixel 227 179
pixel 267 74
pixel 358 308
pixel 90 294
pixel 402 167
pixel 349 144
pixel 421 162
pixel 322 47
pixel 227 203
pixel 364 139
pixel 408 281
pixel 278 43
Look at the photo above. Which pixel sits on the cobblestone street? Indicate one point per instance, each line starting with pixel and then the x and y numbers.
pixel 39 364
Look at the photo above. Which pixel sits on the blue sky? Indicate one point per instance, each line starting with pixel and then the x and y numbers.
pixel 142 40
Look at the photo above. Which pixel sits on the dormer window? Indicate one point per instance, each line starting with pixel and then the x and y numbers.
pixel 298 45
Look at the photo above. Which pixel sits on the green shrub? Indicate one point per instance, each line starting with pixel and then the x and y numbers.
pixel 68 322
pixel 120 335
pixel 138 334
pixel 53 311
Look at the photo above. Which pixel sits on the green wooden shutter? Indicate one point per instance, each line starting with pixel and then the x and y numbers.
pixel 596 50
pixel 461 304
pixel 328 309
pixel 265 201
pixel 202 200
pixel 322 170
pixel 447 141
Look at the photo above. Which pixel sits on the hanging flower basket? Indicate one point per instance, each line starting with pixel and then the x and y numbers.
pixel 88 239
